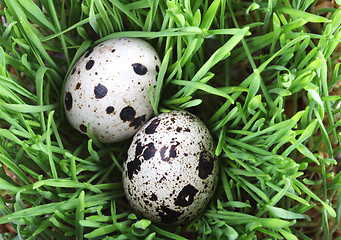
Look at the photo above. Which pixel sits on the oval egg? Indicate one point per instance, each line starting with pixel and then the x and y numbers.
pixel 171 171
pixel 108 88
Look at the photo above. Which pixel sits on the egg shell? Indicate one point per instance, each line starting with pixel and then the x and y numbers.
pixel 108 88
pixel 171 171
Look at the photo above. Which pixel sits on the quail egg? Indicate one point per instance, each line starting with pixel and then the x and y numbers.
pixel 108 88
pixel 171 170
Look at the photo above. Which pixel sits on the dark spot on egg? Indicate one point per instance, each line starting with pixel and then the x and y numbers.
pixel 206 164
pixel 68 101
pixel 186 196
pixel 73 71
pixel 150 129
pixel 138 149
pixel 149 152
pixel 133 167
pixel 110 109
pixel 163 153
pixel 89 64
pixel 78 85
pixel 100 91
pixel 157 68
pixel 137 122
pixel 83 128
pixel 127 113
pixel 171 152
pixel 153 197
pixel 88 52
pixel 167 215
pixel 139 68
pixel 178 129
pixel 113 50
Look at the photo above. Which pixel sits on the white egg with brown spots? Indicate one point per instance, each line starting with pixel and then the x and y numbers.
pixel 108 88
pixel 171 171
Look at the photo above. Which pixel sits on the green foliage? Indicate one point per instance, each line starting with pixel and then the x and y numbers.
pixel 262 75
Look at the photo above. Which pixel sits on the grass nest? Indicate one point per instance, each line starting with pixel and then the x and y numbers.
pixel 264 76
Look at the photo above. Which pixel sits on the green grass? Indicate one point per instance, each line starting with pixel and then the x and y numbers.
pixel 262 75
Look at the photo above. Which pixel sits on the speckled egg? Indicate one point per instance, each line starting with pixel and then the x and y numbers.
pixel 171 171
pixel 108 88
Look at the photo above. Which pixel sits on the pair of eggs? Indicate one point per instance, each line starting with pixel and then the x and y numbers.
pixel 171 171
